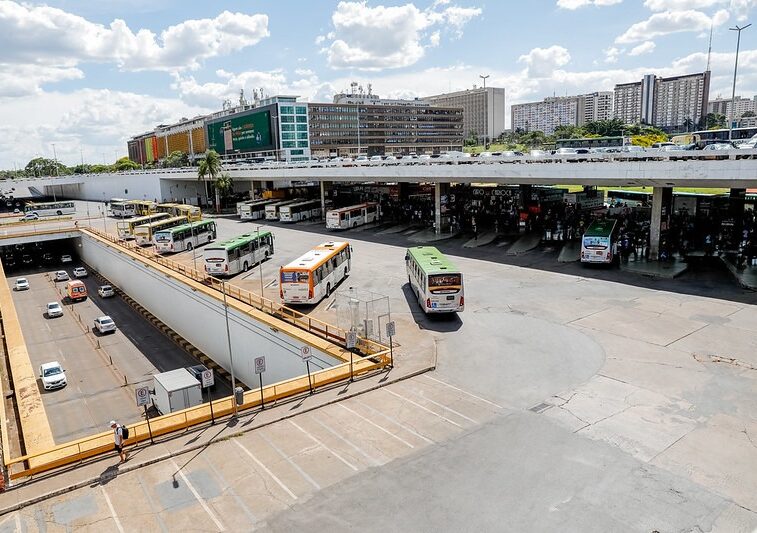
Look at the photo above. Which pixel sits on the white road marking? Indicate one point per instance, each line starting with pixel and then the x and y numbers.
pixel 479 398
pixel 349 443
pixel 269 283
pixel 197 496
pixel 408 400
pixel 15 517
pixel 18 522
pixel 371 422
pixel 461 415
pixel 396 422
pixel 322 445
pixel 265 469
pixel 288 459
pixel 112 510
pixel 48 327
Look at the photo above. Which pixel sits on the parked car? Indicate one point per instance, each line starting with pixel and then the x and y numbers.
pixel 65 258
pixel 80 272
pixel 47 258
pixel 361 159
pixel 718 146
pixel 52 375
pixel 29 217
pixel 106 291
pixel 424 158
pixel 54 310
pixel 197 371
pixel 565 151
pixel 21 284
pixel 375 158
pixel 61 275
pixel 105 324
pixel 27 259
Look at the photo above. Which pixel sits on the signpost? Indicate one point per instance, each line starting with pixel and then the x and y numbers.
pixel 306 353
pixel 259 369
pixel 351 343
pixel 208 380
pixel 143 398
pixel 391 331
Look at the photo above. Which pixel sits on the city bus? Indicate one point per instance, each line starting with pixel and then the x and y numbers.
pixel 305 210
pixel 599 241
pixel 126 227
pixel 272 210
pixel 310 278
pixel 191 212
pixel 50 209
pixel 352 216
pixel 143 207
pixel 144 233
pixel 255 210
pixel 185 236
pixel 122 209
pixel 435 280
pixel 236 255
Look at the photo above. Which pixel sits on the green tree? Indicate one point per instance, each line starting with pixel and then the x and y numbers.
pixel 472 139
pixel 40 166
pixel 533 139
pixel 569 132
pixel 176 159
pixel 748 114
pixel 125 164
pixel 209 168
pixel 648 139
pixel 714 121
pixel 223 185
pixel 688 124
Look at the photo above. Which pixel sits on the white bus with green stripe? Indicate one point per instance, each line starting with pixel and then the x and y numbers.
pixel 236 255
pixel 435 280
pixel 185 237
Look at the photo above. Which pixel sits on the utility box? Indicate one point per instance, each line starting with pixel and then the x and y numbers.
pixel 175 390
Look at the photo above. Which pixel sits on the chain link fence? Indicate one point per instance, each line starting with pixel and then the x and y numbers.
pixel 365 311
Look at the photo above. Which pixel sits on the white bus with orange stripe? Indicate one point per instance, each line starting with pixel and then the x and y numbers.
pixel 312 277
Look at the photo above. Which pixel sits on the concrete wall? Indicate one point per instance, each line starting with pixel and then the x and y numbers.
pixel 199 318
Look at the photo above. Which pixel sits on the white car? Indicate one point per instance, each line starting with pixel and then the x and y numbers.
pixel 80 272
pixel 105 324
pixel 52 375
pixel 22 284
pixel 375 158
pixel 424 158
pixel 106 291
pixel 61 275
pixel 54 310
pixel 29 217
pixel 65 258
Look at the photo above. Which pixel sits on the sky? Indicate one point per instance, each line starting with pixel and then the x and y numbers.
pixel 80 77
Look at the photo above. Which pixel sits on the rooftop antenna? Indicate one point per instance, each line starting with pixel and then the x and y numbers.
pixel 709 51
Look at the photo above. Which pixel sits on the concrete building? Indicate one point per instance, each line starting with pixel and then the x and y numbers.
pixel 594 106
pixel 556 111
pixel 667 103
pixel 722 106
pixel 483 110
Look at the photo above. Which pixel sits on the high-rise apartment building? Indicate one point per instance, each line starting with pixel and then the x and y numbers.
pixel 556 111
pixel 671 104
pixel 722 106
pixel 483 110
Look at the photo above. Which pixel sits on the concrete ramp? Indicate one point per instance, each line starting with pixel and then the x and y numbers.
pixel 526 243
pixel 483 240
pixel 428 236
pixel 571 251
pixel 398 228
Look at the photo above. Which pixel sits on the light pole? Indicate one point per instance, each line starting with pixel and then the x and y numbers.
pixel 231 357
pixel 194 253
pixel 55 158
pixel 357 114
pixel 260 267
pixel 735 70
pixel 483 78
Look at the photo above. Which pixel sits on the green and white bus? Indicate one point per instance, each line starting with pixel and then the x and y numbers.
pixel 435 280
pixel 50 209
pixel 599 243
pixel 304 210
pixel 143 234
pixel 184 237
pixel 236 255
pixel 126 227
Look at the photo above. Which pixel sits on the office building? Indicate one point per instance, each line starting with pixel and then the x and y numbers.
pixel 483 110
pixel 672 104
pixel 556 111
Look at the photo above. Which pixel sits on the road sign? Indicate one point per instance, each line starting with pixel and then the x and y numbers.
pixel 306 353
pixel 391 330
pixel 260 364
pixel 351 339
pixel 207 378
pixel 143 396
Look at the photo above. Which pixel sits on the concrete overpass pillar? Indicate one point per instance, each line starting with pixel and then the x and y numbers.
pixel 524 197
pixel 253 186
pixel 324 186
pixel 662 201
pixel 441 190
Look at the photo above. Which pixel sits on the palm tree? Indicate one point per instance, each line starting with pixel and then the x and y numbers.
pixel 210 167
pixel 688 124
pixel 223 185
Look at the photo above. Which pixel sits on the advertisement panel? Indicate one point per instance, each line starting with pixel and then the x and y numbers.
pixel 246 133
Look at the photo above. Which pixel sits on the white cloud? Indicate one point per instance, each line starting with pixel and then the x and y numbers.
pixel 20 80
pixel 669 22
pixel 374 38
pixel 51 36
pixel 741 8
pixel 542 62
pixel 612 54
pixel 647 47
pixel 575 4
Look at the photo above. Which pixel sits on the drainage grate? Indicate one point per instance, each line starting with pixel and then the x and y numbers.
pixel 538 409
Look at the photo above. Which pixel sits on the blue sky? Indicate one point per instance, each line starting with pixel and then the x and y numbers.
pixel 87 75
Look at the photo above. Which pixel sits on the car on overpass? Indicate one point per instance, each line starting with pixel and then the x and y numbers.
pixel 53 375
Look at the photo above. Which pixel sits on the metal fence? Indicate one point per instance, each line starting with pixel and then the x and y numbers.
pixel 363 311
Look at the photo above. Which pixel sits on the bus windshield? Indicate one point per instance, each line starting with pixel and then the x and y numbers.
pixel 295 276
pixel 444 280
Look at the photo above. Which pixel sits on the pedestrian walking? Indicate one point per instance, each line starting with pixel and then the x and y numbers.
pixel 118 438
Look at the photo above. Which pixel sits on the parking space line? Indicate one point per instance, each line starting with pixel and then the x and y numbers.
pixel 349 443
pixel 265 469
pixel 443 407
pixel 479 398
pixel 423 407
pixel 395 422
pixel 150 501
pixel 289 460
pixel 112 510
pixel 228 488
pixel 371 422
pixel 322 445
pixel 197 496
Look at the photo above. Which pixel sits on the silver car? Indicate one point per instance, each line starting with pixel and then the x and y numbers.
pixel 54 310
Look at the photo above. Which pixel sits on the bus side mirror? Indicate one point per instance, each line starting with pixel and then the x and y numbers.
pixel 407 257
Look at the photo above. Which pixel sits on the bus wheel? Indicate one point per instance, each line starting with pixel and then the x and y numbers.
pixel 59 213
pixel 189 246
pixel 345 272
pixel 245 267
pixel 328 290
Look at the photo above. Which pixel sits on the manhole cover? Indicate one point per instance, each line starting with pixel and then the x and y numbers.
pixel 538 409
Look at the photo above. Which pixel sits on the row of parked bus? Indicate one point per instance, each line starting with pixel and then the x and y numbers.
pixel 298 209
pixel 122 208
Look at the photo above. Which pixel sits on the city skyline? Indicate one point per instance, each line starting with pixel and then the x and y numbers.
pixel 97 74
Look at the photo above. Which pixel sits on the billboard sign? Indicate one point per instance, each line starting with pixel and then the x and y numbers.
pixel 241 133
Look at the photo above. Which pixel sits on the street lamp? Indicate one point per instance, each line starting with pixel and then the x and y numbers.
pixel 260 267
pixel 231 357
pixel 55 158
pixel 483 78
pixel 735 70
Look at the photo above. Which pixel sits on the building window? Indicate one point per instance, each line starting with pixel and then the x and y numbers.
pixel 302 127
pixel 287 110
pixel 302 118
pixel 302 144
pixel 302 110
